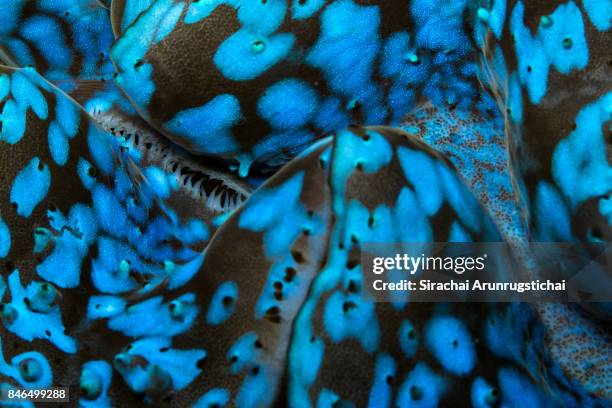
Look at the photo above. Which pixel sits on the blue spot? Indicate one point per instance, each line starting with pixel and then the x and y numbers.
pixel 288 104
pixel 220 115
pixel 605 208
pixel 105 270
pixel 600 13
pixel 5 240
pixel 305 357
pixel 215 397
pixel 199 10
pixel 329 399
pixel 515 99
pixel 237 61
pixel 123 184
pixel 110 213
pixel 503 333
pixel 193 231
pixel 408 339
pixel 27 95
pixel 222 304
pixel 497 16
pixel 5 86
pixel 58 144
pixel 439 25
pixel 463 202
pixel 548 47
pixel 38 374
pixel 458 233
pixel 450 342
pixel 159 181
pixel 67 115
pixel 101 307
pixel 169 22
pixel 46 35
pixel 282 228
pixel 30 186
pixel 85 171
pixel 243 352
pixel 70 248
pixel 400 101
pixel 254 390
pixel 551 215
pixel 179 365
pixel 128 53
pixel 21 51
pixel 261 17
pixel 302 10
pixel 483 395
pixel 10 15
pixel 348 316
pixel 567 28
pixel 411 222
pixel 13 122
pixel 421 170
pixel 381 393
pixel 154 318
pixel 100 149
pixel 352 151
pixel 30 325
pixel 422 388
pixel 579 164
pixel 184 272
pixel 346 51
pixel 97 374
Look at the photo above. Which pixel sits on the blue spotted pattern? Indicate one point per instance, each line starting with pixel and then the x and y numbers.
pixel 139 270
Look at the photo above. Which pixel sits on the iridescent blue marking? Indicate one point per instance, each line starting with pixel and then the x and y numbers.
pixel 562 45
pixel 600 13
pixel 422 388
pixel 450 342
pixel 288 104
pixel 357 320
pixel 100 307
pixel 217 396
pixel 222 304
pixel 381 393
pixel 483 395
pixel 94 383
pixel 345 52
pixel 221 114
pixel 5 240
pixel 175 368
pixel 155 318
pixel 408 339
pixel 243 353
pixel 30 325
pixel 31 369
pixel 281 228
pixel 580 163
pixel 245 55
pixel 30 187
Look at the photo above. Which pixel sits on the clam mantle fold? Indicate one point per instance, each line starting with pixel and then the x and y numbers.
pixel 185 187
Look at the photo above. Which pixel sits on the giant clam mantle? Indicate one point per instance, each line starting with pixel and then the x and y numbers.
pixel 186 186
